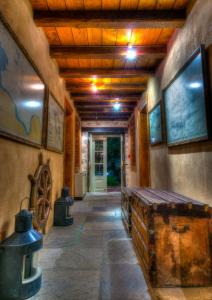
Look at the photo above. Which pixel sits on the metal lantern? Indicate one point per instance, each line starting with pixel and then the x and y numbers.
pixel 20 275
pixel 62 216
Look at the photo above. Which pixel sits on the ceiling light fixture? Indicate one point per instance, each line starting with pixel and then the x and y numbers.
pixel 131 53
pixel 116 106
pixel 94 88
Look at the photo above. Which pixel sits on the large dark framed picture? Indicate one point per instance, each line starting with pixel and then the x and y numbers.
pixel 55 125
pixel 155 125
pixel 22 92
pixel 186 102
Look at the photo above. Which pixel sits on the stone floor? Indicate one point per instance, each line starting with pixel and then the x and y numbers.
pixel 94 259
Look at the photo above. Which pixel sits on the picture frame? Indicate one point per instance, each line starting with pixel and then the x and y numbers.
pixel 55 118
pixel 186 102
pixel 156 125
pixel 22 92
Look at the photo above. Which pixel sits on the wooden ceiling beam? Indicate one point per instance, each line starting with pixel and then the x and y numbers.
pixel 106 97
pixel 111 86
pixel 106 73
pixel 105 52
pixel 103 109
pixel 111 18
pixel 103 104
pixel 112 118
pixel 126 92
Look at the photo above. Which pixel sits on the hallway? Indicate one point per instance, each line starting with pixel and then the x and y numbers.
pixel 93 259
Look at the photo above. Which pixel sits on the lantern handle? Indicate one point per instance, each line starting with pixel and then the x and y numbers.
pixel 25 198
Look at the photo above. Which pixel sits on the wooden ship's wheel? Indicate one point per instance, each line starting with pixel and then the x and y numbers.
pixel 40 198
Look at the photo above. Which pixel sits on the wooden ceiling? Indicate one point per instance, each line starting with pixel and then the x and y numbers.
pixel 89 40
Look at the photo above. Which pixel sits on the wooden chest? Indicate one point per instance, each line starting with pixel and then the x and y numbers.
pixel 126 208
pixel 171 237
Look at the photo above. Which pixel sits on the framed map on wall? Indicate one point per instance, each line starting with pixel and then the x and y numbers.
pixel 155 125
pixel 186 103
pixel 22 92
pixel 55 126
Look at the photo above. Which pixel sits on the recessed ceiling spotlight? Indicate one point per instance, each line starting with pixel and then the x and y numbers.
pixel 131 53
pixel 116 106
pixel 94 88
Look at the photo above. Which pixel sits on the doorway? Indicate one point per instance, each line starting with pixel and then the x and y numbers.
pixel 105 172
pixel 113 163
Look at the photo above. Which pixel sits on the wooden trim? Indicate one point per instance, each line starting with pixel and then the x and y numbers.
pixel 111 19
pixel 105 52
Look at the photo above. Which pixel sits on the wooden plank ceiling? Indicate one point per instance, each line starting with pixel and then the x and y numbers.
pixel 89 40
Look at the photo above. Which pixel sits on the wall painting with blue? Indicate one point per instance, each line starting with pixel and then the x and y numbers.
pixel 21 93
pixel 185 104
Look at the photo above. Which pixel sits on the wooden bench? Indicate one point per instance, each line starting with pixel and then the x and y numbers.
pixel 170 234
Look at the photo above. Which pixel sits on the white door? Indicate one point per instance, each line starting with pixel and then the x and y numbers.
pixel 99 164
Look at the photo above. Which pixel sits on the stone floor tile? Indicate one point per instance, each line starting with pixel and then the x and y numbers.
pixel 69 285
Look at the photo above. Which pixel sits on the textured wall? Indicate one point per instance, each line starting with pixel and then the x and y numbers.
pixel 185 169
pixel 104 123
pixel 19 160
pixel 84 152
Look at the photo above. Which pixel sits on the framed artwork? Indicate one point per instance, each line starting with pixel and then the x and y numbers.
pixel 155 125
pixel 22 92
pixel 55 125
pixel 186 103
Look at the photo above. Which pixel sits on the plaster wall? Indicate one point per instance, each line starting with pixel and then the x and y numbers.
pixel 17 161
pixel 185 169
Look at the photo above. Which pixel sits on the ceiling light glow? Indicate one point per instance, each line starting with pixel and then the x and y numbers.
pixel 94 88
pixel 131 53
pixel 116 106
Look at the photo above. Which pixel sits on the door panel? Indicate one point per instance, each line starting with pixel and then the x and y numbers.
pixel 144 150
pixel 99 164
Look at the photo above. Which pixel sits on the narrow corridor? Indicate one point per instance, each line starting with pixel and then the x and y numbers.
pixel 92 259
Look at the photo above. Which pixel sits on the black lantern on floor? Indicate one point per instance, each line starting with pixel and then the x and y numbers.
pixel 20 276
pixel 62 216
